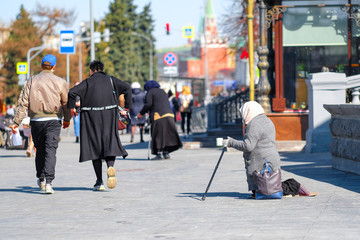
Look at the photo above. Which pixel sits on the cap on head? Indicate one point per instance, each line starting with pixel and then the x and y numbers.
pixel 49 60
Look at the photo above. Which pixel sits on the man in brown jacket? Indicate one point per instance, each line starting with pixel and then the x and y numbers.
pixel 44 100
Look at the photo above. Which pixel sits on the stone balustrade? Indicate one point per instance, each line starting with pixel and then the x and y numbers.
pixel 345 142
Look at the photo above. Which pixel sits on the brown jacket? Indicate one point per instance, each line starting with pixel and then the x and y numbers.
pixel 44 95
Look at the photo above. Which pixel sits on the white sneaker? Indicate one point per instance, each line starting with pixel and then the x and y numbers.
pixel 49 189
pixel 41 184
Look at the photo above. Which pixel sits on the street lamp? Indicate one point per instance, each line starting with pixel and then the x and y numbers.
pixel 92 43
pixel 150 52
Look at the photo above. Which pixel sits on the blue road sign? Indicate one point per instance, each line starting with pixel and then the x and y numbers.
pixel 67 42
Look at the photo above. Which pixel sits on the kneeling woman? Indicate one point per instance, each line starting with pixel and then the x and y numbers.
pixel 164 136
pixel 258 142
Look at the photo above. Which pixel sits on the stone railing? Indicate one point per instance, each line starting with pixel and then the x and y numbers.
pixel 344 145
pixel 353 83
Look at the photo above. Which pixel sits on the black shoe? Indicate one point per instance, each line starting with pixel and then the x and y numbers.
pixel 99 186
pixel 166 155
pixel 77 139
pixel 253 195
pixel 157 157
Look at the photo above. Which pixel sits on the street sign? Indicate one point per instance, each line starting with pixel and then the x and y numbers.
pixel 22 79
pixel 170 59
pixel 67 42
pixel 21 68
pixel 188 32
pixel 170 70
pixel 97 37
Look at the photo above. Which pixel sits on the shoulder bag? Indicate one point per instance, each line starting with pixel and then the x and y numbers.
pixel 268 183
pixel 123 119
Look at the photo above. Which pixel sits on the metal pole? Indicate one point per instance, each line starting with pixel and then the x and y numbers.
pixel 92 43
pixel 80 63
pixel 207 85
pixel 40 48
pixel 150 53
pixel 250 18
pixel 68 68
pixel 151 61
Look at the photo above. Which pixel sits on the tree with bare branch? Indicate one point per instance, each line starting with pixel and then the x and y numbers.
pixel 47 18
pixel 234 24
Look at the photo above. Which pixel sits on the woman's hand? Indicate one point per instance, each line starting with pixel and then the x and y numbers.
pixel 226 141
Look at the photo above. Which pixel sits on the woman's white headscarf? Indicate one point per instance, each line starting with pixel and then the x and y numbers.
pixel 250 110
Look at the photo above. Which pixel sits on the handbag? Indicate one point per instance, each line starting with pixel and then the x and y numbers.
pixel 123 119
pixel 268 183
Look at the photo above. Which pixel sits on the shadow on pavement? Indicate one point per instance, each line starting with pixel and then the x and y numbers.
pixel 36 190
pixel 132 159
pixel 317 166
pixel 140 145
pixel 198 196
pixel 13 156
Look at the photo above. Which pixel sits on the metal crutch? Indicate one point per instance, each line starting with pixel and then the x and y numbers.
pixel 216 167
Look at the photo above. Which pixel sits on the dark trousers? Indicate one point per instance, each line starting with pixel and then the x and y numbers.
pixel 46 138
pixel 188 118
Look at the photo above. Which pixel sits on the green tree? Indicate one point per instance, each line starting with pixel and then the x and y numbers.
pixel 145 26
pixel 128 55
pixel 23 35
pixel 121 22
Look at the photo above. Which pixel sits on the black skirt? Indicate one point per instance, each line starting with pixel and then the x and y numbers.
pixel 290 187
pixel 164 135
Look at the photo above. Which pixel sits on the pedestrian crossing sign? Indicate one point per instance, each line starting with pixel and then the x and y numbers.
pixel 188 32
pixel 21 68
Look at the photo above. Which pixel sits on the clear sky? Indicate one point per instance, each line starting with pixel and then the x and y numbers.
pixel 178 13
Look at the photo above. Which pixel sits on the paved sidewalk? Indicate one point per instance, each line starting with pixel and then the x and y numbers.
pixel 161 199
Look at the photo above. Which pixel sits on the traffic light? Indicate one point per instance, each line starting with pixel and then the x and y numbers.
pixel 167 28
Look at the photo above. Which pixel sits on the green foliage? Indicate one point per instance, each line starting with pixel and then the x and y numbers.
pixel 22 36
pixel 128 55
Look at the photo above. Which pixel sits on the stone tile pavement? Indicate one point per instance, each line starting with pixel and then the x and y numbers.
pixel 161 199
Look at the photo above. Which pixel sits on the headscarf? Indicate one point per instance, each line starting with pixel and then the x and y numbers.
pixel 186 90
pixel 135 85
pixel 151 84
pixel 250 110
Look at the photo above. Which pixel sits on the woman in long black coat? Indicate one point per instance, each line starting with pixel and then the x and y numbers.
pixel 99 137
pixel 165 138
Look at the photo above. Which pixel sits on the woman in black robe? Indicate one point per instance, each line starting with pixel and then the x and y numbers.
pixel 164 136
pixel 99 137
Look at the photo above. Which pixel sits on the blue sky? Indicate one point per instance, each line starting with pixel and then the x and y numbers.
pixel 178 13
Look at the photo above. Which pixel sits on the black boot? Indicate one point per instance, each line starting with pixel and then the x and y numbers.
pixel 157 157
pixel 166 155
pixel 77 139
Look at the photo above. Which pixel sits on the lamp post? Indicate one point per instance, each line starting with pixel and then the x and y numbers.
pixel 150 52
pixel 206 75
pixel 92 43
pixel 264 85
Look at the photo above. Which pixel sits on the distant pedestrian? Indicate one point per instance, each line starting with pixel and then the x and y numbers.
pixel 99 136
pixel 174 104
pixel 258 143
pixel 44 98
pixel 76 116
pixel 165 138
pixel 138 99
pixel 186 103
